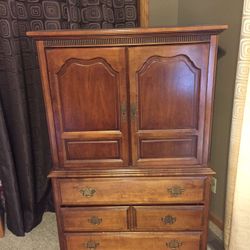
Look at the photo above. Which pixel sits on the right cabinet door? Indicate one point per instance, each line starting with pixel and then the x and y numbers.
pixel 168 87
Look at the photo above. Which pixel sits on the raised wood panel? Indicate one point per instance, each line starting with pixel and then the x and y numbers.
pixel 167 218
pixel 168 100
pixel 89 95
pixel 168 93
pixel 169 148
pixel 89 99
pixel 134 241
pixel 95 219
pixel 129 191
pixel 92 150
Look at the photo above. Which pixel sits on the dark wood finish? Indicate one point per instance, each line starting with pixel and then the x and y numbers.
pixel 130 172
pixel 135 241
pixel 48 102
pixel 187 30
pixel 172 81
pixel 129 114
pixel 168 218
pixel 2 225
pixel 129 191
pixel 58 214
pixel 89 150
pixel 207 193
pixel 88 89
pixel 95 219
pixel 169 148
pixel 210 95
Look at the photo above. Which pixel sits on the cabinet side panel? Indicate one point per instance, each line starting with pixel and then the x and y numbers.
pixel 48 102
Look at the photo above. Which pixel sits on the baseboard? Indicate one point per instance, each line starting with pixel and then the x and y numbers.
pixel 216 230
pixel 219 223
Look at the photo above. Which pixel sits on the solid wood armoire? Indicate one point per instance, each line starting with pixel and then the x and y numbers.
pixel 129 117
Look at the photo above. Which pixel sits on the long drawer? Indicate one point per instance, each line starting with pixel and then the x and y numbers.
pixel 118 191
pixel 167 218
pixel 134 241
pixel 95 219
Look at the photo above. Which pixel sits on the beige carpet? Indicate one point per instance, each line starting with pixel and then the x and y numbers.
pixel 43 237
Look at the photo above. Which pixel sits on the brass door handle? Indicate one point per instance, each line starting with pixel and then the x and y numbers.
pixel 92 245
pixel 88 192
pixel 133 111
pixel 123 111
pixel 94 220
pixel 174 244
pixel 169 219
pixel 175 191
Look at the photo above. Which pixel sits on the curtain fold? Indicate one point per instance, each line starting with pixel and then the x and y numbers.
pixel 24 154
pixel 237 218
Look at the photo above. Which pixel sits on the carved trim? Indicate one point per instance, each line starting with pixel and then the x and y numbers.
pixel 88 62
pixel 183 171
pixel 160 59
pixel 123 41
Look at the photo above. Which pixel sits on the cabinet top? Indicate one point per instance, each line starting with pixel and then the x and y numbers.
pixel 67 34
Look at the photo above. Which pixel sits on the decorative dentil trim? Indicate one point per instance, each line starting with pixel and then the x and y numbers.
pixel 129 40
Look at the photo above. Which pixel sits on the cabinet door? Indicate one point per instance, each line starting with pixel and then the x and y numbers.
pixel 167 103
pixel 89 100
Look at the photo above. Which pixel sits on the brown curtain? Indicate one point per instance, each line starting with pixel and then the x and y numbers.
pixel 24 154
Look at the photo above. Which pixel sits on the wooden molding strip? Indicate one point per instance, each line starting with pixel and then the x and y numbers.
pixel 129 172
pixel 83 34
pixel 123 41
pixel 144 13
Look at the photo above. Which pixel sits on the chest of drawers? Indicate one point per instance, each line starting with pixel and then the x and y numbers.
pixel 129 117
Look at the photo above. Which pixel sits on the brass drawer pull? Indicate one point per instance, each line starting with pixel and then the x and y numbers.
pixel 88 192
pixel 94 220
pixel 92 245
pixel 174 244
pixel 168 220
pixel 176 191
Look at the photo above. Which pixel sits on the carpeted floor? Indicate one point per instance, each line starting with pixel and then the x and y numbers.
pixel 44 237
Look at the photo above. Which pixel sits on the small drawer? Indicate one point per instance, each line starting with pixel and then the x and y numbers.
pixel 117 191
pixel 163 218
pixel 95 219
pixel 134 241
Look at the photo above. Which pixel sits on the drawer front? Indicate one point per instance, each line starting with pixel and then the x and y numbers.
pixel 169 218
pixel 131 191
pixel 95 219
pixel 134 241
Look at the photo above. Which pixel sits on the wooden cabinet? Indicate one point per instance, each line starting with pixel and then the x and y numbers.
pixel 129 117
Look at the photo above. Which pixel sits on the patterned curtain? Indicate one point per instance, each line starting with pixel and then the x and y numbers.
pixel 24 148
pixel 237 220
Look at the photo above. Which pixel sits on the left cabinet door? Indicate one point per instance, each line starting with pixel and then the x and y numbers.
pixel 88 90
